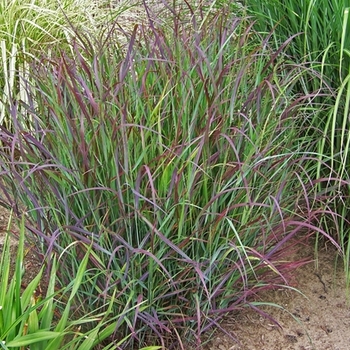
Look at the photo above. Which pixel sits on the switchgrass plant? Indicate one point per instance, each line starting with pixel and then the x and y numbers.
pixel 182 164
pixel 323 40
pixel 34 321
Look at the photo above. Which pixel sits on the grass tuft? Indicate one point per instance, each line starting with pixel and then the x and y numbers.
pixel 178 171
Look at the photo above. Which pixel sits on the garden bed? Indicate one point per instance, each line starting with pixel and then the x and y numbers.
pixel 170 160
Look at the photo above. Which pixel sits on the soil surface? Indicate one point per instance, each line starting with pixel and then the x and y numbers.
pixel 32 263
pixel 317 318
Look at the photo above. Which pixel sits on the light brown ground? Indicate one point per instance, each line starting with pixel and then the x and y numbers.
pixel 317 320
pixel 32 263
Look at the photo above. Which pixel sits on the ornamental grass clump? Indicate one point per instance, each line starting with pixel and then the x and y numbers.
pixel 180 164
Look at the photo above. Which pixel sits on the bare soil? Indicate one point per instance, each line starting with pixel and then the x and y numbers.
pixel 317 318
pixel 32 263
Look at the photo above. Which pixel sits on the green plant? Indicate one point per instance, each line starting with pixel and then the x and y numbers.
pixel 318 29
pixel 322 39
pixel 336 145
pixel 30 320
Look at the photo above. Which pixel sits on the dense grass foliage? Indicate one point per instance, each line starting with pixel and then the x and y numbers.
pixel 183 163
pixel 322 29
pixel 171 179
pixel 323 41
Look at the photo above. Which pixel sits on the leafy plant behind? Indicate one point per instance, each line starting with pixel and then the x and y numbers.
pixel 322 40
pixel 29 29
